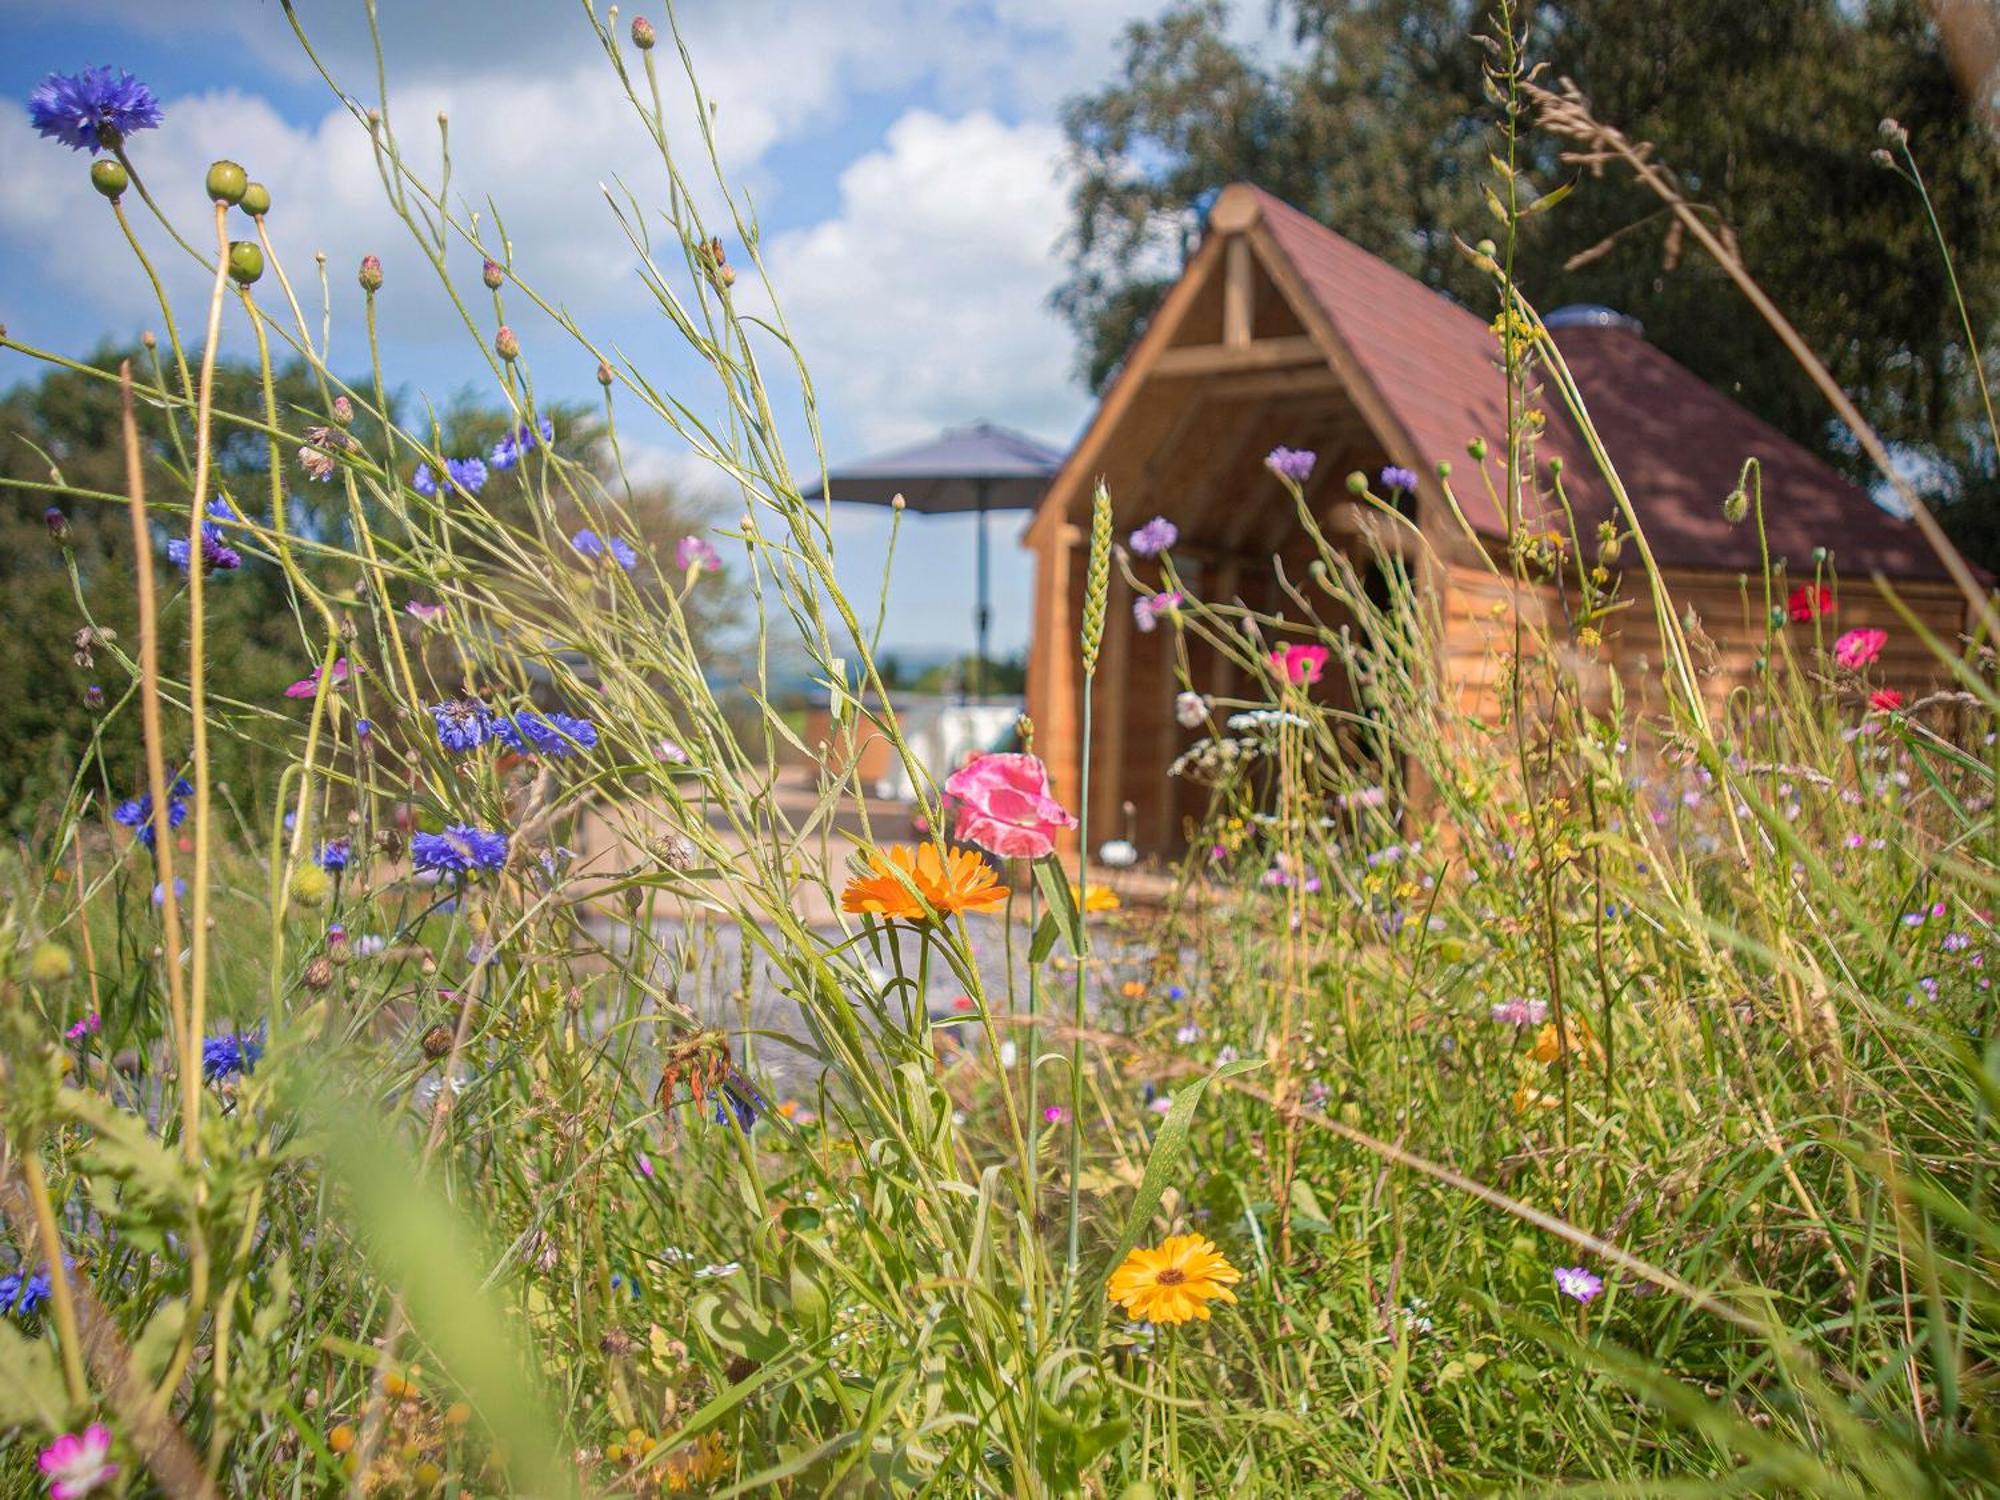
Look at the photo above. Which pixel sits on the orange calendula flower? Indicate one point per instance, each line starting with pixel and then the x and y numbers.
pixel 1551 1042
pixel 1174 1283
pixel 1094 898
pixel 959 880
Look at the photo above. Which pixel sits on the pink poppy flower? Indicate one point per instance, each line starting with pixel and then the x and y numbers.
pixel 1858 648
pixel 696 554
pixel 78 1462
pixel 1299 664
pixel 1808 601
pixel 305 687
pixel 1005 806
pixel 1886 699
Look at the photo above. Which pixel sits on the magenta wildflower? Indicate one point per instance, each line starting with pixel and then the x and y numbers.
pixel 308 685
pixel 1575 1281
pixel 417 610
pixel 1148 610
pixel 90 1025
pixel 1155 537
pixel 1521 1012
pixel 694 554
pixel 78 1462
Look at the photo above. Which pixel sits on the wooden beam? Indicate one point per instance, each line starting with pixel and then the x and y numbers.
pixel 1259 385
pixel 1239 293
pixel 1258 354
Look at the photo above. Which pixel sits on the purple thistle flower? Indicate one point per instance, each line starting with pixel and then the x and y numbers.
pixel 462 724
pixel 589 544
pixel 469 474
pixel 1575 1281
pixel 1394 478
pixel 1155 537
pixel 1294 464
pixel 459 850
pixel 230 1053
pixel 423 481
pixel 93 109
pixel 694 553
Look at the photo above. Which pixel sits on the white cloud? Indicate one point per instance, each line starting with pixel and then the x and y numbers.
pixel 924 300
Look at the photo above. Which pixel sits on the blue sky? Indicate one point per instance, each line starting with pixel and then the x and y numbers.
pixel 902 156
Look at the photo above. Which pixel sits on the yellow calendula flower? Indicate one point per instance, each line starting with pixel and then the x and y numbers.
pixel 702 1461
pixel 1551 1043
pixel 1175 1282
pixel 1094 898
pixel 958 881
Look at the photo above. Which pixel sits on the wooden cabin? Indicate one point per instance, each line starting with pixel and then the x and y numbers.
pixel 1281 332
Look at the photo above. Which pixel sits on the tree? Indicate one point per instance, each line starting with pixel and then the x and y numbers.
pixel 1378 125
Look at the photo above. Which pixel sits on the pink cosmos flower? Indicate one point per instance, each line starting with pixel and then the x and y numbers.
pixel 1858 648
pixel 1005 806
pixel 1299 664
pixel 695 554
pixel 78 1462
pixel 305 687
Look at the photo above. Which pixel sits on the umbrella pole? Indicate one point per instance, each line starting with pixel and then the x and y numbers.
pixel 982 614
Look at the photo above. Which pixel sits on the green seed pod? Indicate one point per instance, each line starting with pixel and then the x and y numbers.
pixel 1357 483
pixel 256 200
pixel 1444 468
pixel 1097 577
pixel 1735 506
pixel 246 261
pixel 1477 448
pixel 227 182
pixel 109 177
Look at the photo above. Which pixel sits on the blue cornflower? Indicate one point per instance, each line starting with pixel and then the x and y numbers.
pixel 518 444
pixel 92 109
pixel 22 1293
pixel 463 724
pixel 469 474
pixel 160 891
pixel 1394 478
pixel 459 849
pixel 136 813
pixel 738 1102
pixel 424 482
pixel 593 546
pixel 549 734
pixel 231 1052
pixel 215 549
pixel 335 853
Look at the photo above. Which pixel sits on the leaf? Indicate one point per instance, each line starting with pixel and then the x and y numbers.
pixel 1549 199
pixel 1046 933
pixel 31 1389
pixel 1166 1155
pixel 1054 881
pixel 737 1327
pixel 155 1344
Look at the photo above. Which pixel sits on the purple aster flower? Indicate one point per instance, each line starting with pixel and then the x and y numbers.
pixel 1575 1281
pixel 694 553
pixel 335 853
pixel 462 724
pixel 93 109
pixel 469 474
pixel 1394 479
pixel 231 1052
pixel 1148 610
pixel 1294 464
pixel 423 481
pixel 1155 537
pixel 459 850
pixel 589 544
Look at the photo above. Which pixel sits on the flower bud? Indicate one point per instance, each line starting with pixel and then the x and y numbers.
pixel 490 274
pixel 371 273
pixel 437 1042
pixel 1893 132
pixel 227 182
pixel 643 35
pixel 58 525
pixel 343 411
pixel 246 261
pixel 1357 483
pixel 1477 448
pixel 109 177
pixel 1819 554
pixel 506 345
pixel 604 372
pixel 1555 466
pixel 149 339
pixel 1486 248
pixel 1735 505
pixel 318 974
pixel 93 698
pixel 1444 468
pixel 256 200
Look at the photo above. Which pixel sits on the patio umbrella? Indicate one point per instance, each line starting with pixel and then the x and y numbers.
pixel 979 468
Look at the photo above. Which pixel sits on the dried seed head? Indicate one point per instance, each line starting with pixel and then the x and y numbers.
pixel 319 973
pixel 437 1042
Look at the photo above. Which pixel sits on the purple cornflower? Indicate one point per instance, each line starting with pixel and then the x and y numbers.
pixel 229 1053
pixel 93 109
pixel 335 853
pixel 459 850
pixel 1155 537
pixel 136 813
pixel 589 544
pixel 1147 611
pixel 469 474
pixel 1575 1281
pixel 1294 464
pixel 462 724
pixel 696 554
pixel 423 481
pixel 557 734
pixel 215 549
pixel 1394 478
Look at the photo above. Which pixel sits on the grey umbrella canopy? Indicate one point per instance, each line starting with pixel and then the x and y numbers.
pixel 979 468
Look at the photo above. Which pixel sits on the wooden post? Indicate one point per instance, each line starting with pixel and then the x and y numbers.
pixel 1239 291
pixel 1053 685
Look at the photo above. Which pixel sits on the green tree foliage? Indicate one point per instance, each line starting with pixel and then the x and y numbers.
pixel 1376 123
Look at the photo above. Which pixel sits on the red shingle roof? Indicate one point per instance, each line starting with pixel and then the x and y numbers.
pixel 1677 442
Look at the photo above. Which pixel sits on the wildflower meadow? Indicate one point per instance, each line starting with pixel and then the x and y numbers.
pixel 435 1061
